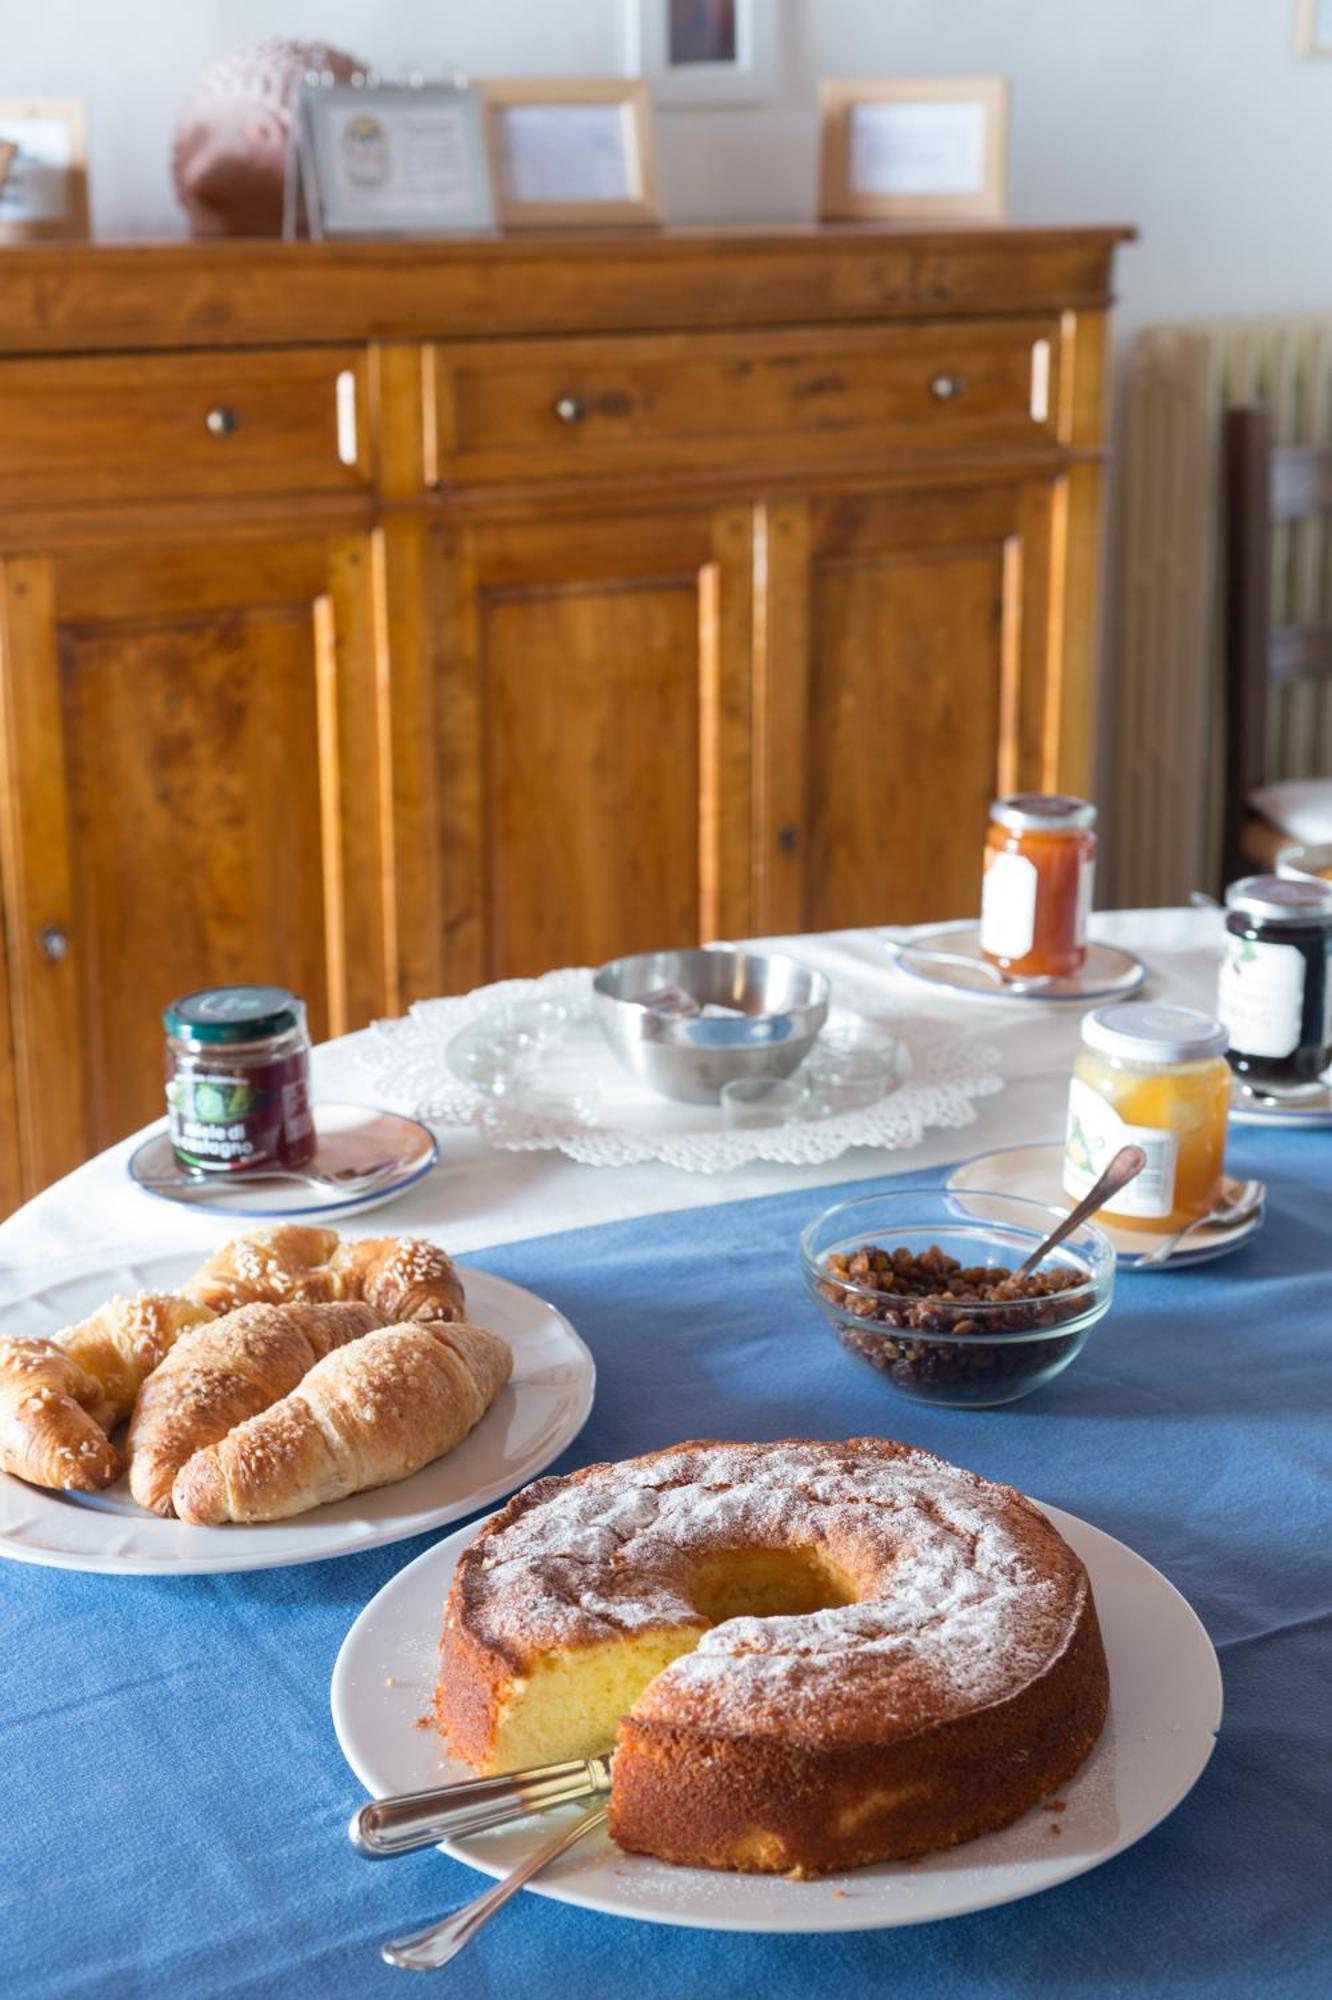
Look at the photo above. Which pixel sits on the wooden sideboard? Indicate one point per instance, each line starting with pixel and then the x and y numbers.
pixel 383 618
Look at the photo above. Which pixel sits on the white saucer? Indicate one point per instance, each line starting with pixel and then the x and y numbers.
pixel 1037 1172
pixel 1107 973
pixel 539 1411
pixel 347 1136
pixel 1310 1109
pixel 1165 1708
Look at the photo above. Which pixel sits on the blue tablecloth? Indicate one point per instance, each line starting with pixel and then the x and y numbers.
pixel 175 1799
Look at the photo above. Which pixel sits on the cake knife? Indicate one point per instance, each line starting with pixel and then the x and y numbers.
pixel 384 1827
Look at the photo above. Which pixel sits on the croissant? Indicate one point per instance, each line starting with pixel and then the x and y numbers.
pixel 219 1373
pixel 271 1267
pixel 121 1345
pixel 49 1433
pixel 366 1415
pixel 404 1277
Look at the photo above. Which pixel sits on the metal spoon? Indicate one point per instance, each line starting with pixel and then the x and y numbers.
pixel 385 1827
pixel 1241 1199
pixel 436 1944
pixel 342 1180
pixel 1018 987
pixel 1127 1164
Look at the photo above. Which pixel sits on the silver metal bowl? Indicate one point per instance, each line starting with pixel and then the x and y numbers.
pixel 782 1005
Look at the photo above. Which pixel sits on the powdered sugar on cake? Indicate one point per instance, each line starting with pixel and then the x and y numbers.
pixel 966 1592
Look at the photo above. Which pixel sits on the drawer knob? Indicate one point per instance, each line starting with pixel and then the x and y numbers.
pixel 571 409
pixel 947 388
pixel 222 421
pixel 54 943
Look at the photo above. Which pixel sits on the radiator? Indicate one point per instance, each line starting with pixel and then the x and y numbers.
pixel 1165 699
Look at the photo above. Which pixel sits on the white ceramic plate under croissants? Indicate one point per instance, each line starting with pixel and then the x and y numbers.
pixel 1165 1708
pixel 538 1412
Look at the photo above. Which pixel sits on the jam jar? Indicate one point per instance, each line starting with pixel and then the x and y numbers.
pixel 1154 1077
pixel 1275 989
pixel 238 1079
pixel 1040 856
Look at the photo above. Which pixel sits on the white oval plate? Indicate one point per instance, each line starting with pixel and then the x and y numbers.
pixel 346 1136
pixel 1037 1172
pixel 539 1411
pixel 1107 974
pixel 1165 1709
pixel 1311 1109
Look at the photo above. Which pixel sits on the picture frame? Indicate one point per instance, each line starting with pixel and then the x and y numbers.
pixel 44 190
pixel 390 159
pixel 570 152
pixel 913 148
pixel 703 52
pixel 1313 28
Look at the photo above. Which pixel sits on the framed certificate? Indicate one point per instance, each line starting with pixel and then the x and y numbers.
pixel 43 170
pixel 571 153
pixel 913 148
pixel 393 160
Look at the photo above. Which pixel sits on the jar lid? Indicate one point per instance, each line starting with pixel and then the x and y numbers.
pixel 1279 899
pixel 1151 1033
pixel 219 1014
pixel 1043 812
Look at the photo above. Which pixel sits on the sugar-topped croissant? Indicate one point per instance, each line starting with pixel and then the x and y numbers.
pixel 403 1277
pixel 220 1373
pixel 368 1414
pixel 122 1344
pixel 49 1410
pixel 269 1267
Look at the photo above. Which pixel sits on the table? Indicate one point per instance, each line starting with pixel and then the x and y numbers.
pixel 175 1797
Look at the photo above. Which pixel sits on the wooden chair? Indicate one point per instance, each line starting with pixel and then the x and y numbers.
pixel 1264 484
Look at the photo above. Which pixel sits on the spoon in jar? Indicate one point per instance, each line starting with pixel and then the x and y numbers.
pixel 1240 1200
pixel 1127 1164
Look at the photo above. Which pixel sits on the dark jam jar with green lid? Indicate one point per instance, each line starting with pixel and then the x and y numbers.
pixel 238 1079
pixel 1275 991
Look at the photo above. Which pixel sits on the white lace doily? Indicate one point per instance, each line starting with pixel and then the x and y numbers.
pixel 409 1058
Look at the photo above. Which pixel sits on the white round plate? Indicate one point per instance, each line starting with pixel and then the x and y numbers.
pixel 539 1411
pixel 1310 1109
pixel 1107 974
pixel 1165 1709
pixel 348 1136
pixel 1037 1172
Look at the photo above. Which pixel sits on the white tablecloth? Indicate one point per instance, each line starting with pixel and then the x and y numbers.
pixel 476 1197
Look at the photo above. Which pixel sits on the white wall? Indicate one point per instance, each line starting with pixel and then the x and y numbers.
pixel 1192 118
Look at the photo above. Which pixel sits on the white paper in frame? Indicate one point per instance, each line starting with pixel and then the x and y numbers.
pixel 913 148
pixel 393 160
pixel 575 152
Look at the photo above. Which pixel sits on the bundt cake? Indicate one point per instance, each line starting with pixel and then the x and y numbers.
pixel 808 1656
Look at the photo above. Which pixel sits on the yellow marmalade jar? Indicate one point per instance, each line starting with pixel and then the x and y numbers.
pixel 1154 1077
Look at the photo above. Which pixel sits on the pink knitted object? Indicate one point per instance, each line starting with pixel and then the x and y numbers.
pixel 228 157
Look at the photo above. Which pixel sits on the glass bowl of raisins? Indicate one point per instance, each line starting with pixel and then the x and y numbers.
pixel 922 1285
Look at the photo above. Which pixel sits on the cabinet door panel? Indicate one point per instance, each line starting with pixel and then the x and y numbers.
pixel 192 765
pixel 190 796
pixel 597 674
pixel 914 687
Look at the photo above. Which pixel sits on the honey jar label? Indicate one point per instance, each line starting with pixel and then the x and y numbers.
pixel 1260 996
pixel 1095 1134
pixel 1008 905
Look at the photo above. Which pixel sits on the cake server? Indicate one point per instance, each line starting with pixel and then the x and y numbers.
pixel 436 1944
pixel 384 1827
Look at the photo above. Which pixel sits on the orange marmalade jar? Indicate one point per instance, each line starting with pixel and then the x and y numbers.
pixel 1040 855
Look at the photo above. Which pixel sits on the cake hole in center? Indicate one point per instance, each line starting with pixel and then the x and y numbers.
pixel 766 1583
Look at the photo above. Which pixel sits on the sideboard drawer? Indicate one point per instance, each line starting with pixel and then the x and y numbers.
pixel 551 408
pixel 178 426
